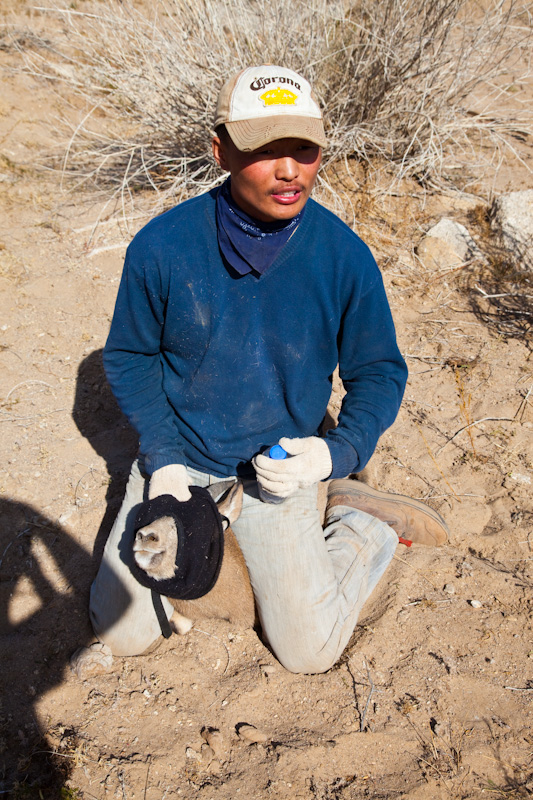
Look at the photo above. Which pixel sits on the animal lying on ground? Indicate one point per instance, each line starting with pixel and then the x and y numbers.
pixel 231 597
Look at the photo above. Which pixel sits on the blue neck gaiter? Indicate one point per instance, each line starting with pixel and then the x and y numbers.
pixel 246 243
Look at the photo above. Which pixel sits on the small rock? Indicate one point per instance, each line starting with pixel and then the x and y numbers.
pixel 89 661
pixel 436 254
pixel 192 754
pixel 512 218
pixel 252 735
pixel 465 570
pixel 66 515
pixel 449 588
pixel 446 245
pixel 520 478
pixel 476 604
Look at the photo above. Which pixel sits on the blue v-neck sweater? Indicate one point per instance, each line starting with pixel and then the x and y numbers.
pixel 210 366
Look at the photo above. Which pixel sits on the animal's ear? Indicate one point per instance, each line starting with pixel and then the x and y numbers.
pixel 230 505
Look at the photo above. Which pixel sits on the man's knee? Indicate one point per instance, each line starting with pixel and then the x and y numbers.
pixel 306 663
pixel 123 616
pixel 122 641
pixel 300 652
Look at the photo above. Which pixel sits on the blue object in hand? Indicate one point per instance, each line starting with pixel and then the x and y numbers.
pixel 277 452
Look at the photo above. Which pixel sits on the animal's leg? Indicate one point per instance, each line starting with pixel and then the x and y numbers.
pixel 180 624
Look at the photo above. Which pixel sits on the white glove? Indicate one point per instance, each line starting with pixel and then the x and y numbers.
pixel 308 462
pixel 171 479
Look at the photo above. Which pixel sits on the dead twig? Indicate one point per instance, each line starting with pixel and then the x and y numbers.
pixel 522 407
pixel 471 425
pixel 24 383
pixel 448 272
pixel 519 688
pixel 147 773
pixel 368 699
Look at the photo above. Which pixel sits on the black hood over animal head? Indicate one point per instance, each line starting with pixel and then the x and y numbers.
pixel 200 544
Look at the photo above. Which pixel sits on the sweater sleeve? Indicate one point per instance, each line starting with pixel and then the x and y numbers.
pixel 132 359
pixel 374 375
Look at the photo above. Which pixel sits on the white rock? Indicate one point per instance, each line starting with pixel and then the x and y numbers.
pixel 512 218
pixel 436 254
pixel 449 588
pixel 518 476
pixel 456 238
pixel 476 604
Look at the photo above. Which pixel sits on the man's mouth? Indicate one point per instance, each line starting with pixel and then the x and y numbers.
pixel 287 196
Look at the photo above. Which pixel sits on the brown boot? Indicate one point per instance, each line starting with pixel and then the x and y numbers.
pixel 410 518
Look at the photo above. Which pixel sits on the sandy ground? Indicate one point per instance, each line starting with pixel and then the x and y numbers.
pixel 433 696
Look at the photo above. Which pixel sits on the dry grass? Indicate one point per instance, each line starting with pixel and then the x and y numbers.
pixel 501 290
pixel 405 83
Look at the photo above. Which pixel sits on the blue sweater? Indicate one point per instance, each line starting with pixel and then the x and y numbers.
pixel 210 366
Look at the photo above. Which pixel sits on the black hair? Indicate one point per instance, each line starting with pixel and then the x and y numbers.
pixel 222 133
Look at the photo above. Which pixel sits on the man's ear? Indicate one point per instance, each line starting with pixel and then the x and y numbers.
pixel 218 153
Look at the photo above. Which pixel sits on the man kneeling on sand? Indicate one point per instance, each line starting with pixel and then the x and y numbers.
pixel 234 309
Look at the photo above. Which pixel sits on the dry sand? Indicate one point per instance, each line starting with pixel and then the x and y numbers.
pixel 433 697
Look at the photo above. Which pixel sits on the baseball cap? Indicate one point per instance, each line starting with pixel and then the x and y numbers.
pixel 261 104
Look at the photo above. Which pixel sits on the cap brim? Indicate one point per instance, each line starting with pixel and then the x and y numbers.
pixel 249 134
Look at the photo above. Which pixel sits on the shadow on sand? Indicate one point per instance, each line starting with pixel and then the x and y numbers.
pixel 44 584
pixel 45 577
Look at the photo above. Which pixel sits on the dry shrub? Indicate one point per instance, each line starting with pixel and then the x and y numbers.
pixel 396 79
pixel 501 289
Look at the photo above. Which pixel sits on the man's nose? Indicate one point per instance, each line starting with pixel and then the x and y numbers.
pixel 287 169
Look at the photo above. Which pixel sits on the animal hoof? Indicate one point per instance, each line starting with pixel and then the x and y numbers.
pixel 93 660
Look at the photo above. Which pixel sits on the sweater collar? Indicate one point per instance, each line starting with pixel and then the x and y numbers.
pixel 246 243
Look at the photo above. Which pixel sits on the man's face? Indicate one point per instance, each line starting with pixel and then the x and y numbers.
pixel 271 183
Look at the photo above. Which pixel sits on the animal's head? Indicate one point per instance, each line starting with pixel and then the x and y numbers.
pixel 156 545
pixel 155 548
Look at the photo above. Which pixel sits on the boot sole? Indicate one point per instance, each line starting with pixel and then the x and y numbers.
pixel 355 489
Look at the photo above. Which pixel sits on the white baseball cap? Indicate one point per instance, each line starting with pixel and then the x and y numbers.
pixel 261 104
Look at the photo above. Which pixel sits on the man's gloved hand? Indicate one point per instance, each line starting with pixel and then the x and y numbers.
pixel 308 462
pixel 171 479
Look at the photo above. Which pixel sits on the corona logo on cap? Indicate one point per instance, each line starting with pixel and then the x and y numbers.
pixel 278 97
